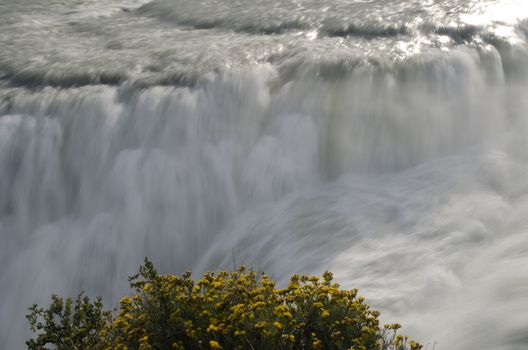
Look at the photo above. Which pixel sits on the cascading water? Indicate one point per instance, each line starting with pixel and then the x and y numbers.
pixel 386 141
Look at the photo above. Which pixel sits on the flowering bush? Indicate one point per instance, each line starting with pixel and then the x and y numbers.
pixel 228 310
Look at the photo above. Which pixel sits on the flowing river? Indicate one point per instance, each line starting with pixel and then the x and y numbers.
pixel 384 140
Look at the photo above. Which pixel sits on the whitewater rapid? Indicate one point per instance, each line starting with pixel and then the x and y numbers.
pixel 386 141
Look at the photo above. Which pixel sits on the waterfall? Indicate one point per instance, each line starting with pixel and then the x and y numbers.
pixel 405 173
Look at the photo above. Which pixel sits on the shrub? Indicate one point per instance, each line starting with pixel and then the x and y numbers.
pixel 69 326
pixel 228 310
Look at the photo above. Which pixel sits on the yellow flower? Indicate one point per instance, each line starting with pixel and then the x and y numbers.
pixel 367 330
pixel 325 314
pixel 143 343
pixel 336 334
pixel 414 345
pixel 257 305
pixel 126 301
pixel 318 305
pixel 239 333
pixel 238 308
pixel 178 346
pixel 393 326
pixel 144 339
pixel 287 314
pixel 277 325
pixel 214 344
pixel 212 328
pixel 288 337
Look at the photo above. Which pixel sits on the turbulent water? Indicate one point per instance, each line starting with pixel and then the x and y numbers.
pixel 384 140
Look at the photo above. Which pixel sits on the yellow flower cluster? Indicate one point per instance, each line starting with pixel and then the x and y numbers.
pixel 227 310
pixel 241 310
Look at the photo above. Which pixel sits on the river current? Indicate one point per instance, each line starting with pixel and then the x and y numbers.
pixel 386 141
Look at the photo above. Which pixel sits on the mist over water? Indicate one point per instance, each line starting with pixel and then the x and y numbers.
pixel 386 141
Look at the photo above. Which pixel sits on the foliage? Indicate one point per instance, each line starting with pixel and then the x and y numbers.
pixel 228 310
pixel 69 325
